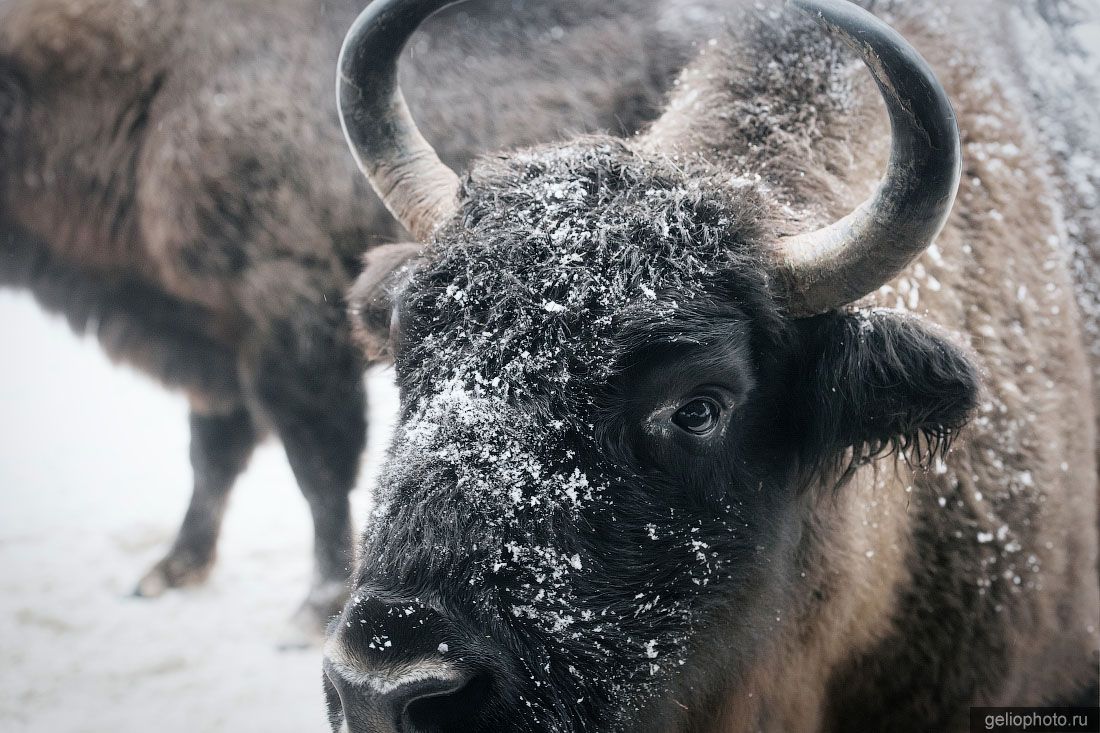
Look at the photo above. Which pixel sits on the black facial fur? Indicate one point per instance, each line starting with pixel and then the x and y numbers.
pixel 538 495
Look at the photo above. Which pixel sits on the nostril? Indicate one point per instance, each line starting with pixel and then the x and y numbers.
pixel 453 710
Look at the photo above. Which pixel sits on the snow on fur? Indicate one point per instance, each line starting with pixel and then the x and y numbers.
pixel 512 330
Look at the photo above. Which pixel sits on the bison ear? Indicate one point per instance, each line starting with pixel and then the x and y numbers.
pixel 879 381
pixel 370 302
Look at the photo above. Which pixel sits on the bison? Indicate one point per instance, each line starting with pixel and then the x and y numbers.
pixel 174 181
pixel 691 439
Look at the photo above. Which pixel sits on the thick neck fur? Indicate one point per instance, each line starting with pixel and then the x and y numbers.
pixel 775 100
pixel 904 569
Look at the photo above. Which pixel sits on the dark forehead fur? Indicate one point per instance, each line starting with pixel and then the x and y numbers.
pixel 562 253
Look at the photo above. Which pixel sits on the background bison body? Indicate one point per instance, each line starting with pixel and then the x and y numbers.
pixel 634 488
pixel 173 180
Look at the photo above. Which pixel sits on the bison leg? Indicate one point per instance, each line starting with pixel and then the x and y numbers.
pixel 308 380
pixel 323 443
pixel 221 445
pixel 247 234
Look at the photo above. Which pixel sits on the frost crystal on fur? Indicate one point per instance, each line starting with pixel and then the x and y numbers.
pixel 512 328
pixel 561 247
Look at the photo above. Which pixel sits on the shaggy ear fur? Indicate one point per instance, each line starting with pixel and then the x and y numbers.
pixel 370 303
pixel 878 382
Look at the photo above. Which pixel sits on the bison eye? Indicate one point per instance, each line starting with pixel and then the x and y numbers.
pixel 699 416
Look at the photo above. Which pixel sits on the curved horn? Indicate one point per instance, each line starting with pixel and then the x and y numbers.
pixel 416 186
pixel 858 254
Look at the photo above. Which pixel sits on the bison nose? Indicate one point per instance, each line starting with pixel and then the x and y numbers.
pixel 447 704
pixel 404 666
pixel 432 699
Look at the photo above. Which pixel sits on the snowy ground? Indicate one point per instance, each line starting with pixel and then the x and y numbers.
pixel 94 477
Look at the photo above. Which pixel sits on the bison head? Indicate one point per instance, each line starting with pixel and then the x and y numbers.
pixel 622 395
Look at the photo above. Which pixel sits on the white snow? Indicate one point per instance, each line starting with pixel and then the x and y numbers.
pixel 94 477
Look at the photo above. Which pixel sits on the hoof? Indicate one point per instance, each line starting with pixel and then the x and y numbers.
pixel 294 637
pixel 172 572
pixel 312 618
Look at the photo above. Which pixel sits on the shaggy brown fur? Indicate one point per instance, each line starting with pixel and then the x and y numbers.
pixel 975 583
pixel 173 179
pixel 910 593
